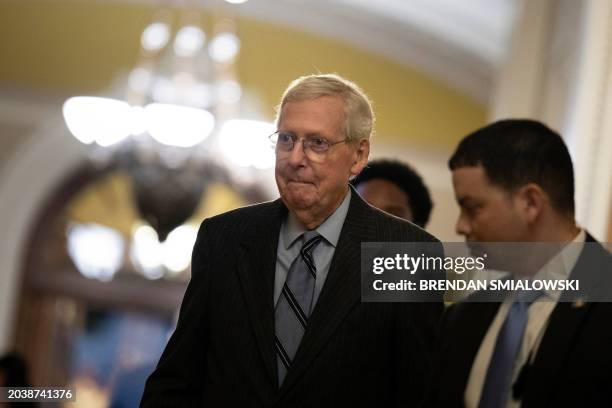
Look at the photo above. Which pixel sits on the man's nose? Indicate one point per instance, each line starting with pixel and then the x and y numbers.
pixel 297 155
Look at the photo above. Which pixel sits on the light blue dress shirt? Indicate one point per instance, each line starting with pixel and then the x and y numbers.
pixel 290 242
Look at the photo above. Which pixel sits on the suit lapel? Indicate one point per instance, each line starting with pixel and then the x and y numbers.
pixel 340 293
pixel 469 326
pixel 564 324
pixel 256 269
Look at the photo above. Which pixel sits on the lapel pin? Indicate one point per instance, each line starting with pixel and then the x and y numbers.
pixel 578 303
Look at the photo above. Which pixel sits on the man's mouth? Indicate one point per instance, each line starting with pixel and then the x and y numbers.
pixel 299 182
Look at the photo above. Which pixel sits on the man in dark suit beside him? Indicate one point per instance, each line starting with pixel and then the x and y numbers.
pixel 514 182
pixel 272 316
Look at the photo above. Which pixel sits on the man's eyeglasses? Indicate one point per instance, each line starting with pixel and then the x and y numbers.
pixel 315 147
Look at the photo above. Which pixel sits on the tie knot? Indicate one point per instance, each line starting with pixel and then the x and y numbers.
pixel 527 296
pixel 311 240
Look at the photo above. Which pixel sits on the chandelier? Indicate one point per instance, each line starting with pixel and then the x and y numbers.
pixel 176 128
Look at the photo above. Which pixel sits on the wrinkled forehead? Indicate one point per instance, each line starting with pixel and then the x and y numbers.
pixel 308 98
pixel 323 114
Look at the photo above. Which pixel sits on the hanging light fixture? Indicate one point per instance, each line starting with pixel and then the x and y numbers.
pixel 182 93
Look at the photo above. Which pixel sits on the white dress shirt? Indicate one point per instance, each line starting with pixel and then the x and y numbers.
pixel 559 267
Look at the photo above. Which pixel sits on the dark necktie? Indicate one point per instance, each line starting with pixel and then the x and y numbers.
pixel 499 374
pixel 295 303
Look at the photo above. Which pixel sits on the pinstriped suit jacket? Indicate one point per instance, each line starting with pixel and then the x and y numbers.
pixel 352 354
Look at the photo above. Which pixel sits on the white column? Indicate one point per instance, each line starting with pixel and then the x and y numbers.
pixel 519 79
pixel 589 127
pixel 559 71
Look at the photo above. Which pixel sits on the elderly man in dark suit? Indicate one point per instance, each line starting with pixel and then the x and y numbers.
pixel 272 315
pixel 514 183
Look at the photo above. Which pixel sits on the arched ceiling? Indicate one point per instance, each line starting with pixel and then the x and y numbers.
pixel 82 46
pixel 460 42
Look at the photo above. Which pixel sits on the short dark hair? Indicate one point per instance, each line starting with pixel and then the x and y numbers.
pixel 407 179
pixel 514 152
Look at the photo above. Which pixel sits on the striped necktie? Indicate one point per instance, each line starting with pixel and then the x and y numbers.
pixel 295 303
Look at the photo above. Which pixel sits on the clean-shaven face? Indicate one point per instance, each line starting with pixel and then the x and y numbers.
pixel 316 186
pixel 488 212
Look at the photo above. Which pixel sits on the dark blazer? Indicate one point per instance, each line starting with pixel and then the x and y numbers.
pixel 573 366
pixel 352 354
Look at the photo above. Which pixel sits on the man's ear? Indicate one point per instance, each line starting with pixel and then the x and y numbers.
pixel 361 155
pixel 533 200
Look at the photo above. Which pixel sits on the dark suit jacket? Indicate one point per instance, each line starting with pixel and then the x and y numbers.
pixel 573 366
pixel 222 352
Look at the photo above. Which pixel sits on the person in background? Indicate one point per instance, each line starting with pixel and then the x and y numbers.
pixel 395 188
pixel 514 183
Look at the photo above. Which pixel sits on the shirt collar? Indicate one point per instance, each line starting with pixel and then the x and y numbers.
pixel 560 266
pixel 330 229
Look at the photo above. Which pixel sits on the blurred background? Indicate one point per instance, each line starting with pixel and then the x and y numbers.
pixel 125 123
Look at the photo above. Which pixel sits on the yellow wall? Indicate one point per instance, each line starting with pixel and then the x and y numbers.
pixel 80 46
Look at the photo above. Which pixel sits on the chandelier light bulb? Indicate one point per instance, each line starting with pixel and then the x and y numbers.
pixel 138 120
pixel 96 250
pixel 179 126
pixel 188 41
pixel 104 121
pixel 224 47
pixel 145 252
pixel 155 36
pixel 177 248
